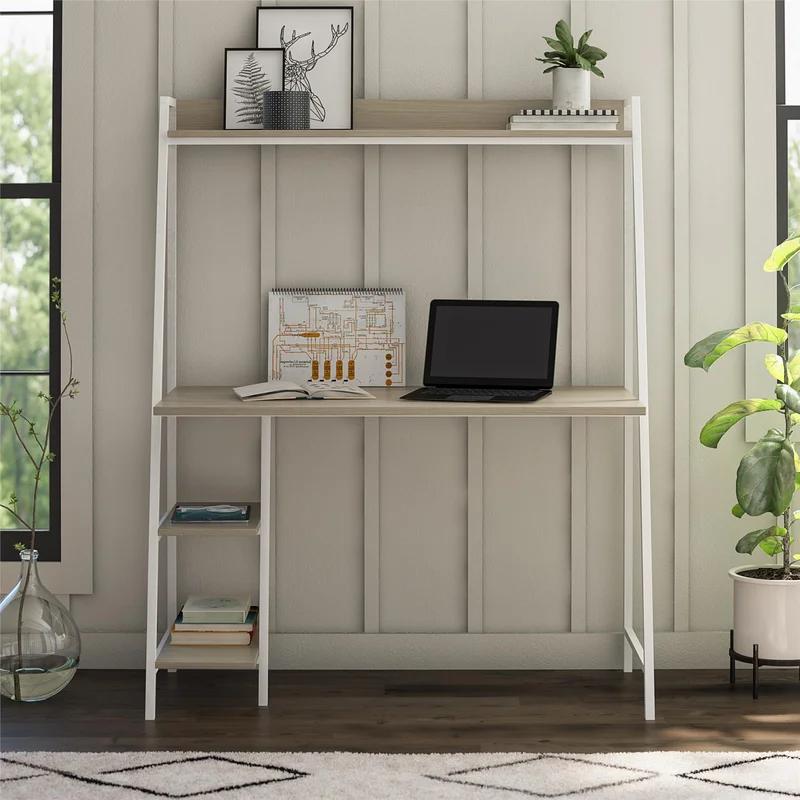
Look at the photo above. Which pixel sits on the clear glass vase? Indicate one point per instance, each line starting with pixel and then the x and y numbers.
pixel 41 645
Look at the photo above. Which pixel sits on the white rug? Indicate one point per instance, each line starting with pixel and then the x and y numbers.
pixel 355 776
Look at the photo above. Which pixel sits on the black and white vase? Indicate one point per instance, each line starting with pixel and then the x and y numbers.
pixel 287 111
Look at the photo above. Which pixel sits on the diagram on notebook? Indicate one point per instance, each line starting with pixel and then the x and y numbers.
pixel 345 335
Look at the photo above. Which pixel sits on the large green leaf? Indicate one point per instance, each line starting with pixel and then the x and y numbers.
pixel 696 356
pixel 554 43
pixel 564 35
pixel 597 71
pixel 765 479
pixel 772 545
pixel 723 420
pixel 751 540
pixel 775 366
pixel 789 396
pixel 594 53
pixel 584 38
pixel 782 254
pixel 755 332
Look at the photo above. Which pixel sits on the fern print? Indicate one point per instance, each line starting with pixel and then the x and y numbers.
pixel 249 87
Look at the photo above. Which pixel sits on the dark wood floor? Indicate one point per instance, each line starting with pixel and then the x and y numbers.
pixel 397 712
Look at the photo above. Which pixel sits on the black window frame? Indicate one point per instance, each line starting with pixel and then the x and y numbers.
pixel 48 541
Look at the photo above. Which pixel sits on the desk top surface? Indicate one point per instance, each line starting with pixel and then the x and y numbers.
pixel 567 401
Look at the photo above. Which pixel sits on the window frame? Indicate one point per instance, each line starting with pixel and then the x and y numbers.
pixel 48 544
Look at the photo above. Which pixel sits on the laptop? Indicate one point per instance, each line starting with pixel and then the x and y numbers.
pixel 489 351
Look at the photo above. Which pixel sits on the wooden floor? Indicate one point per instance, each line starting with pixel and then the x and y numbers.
pixel 396 712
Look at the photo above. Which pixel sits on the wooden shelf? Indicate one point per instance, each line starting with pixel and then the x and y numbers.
pixel 403 122
pixel 574 401
pixel 417 136
pixel 250 528
pixel 193 656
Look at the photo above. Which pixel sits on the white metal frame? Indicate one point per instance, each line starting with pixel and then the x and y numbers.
pixel 635 380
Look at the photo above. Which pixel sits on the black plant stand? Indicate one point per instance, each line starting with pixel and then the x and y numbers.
pixel 757 662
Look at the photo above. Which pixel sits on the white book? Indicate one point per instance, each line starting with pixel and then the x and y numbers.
pixel 199 608
pixel 588 122
pixel 287 390
pixel 561 126
pixel 223 639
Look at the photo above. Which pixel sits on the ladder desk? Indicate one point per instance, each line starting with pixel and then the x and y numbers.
pixel 388 123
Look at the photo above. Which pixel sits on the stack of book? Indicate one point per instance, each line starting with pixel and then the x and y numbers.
pixel 215 621
pixel 557 119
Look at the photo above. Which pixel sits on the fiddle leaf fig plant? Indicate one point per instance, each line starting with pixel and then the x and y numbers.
pixel 564 52
pixel 769 475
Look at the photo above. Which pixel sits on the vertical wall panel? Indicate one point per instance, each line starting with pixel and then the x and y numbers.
pixel 319 523
pixel 423 49
pixel 423 526
pixel 718 286
pixel 319 482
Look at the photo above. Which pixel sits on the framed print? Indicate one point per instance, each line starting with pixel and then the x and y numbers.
pixel 318 41
pixel 249 72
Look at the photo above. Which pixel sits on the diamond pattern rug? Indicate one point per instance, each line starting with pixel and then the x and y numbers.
pixel 362 776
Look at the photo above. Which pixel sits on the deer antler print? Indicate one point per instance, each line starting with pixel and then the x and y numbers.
pixel 296 76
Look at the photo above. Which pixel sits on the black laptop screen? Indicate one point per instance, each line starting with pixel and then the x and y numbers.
pixel 491 343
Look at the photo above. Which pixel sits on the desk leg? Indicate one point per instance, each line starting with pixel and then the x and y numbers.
pixel 647 570
pixel 628 500
pixel 263 561
pixel 153 544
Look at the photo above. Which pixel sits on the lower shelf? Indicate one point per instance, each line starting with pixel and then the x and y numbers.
pixel 208 656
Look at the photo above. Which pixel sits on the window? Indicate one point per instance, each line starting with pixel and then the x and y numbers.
pixel 30 221
pixel 788 117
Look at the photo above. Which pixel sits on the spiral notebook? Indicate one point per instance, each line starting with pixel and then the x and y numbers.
pixel 338 335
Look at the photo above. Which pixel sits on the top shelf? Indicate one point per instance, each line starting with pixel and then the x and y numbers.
pixel 399 122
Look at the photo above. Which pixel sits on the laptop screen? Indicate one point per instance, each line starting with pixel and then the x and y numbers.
pixel 491 343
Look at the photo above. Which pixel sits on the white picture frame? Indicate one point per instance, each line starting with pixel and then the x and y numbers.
pixel 249 71
pixel 327 31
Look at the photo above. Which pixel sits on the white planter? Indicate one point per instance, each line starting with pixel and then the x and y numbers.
pixel 572 88
pixel 766 613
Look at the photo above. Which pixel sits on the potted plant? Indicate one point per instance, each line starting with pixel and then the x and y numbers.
pixel 766 598
pixel 572 66
pixel 42 645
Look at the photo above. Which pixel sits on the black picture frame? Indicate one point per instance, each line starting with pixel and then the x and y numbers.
pixel 264 10
pixel 225 77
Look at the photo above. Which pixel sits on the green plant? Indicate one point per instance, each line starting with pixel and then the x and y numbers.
pixel 564 52
pixel 34 442
pixel 769 475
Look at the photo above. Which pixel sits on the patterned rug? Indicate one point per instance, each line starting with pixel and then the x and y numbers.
pixel 356 776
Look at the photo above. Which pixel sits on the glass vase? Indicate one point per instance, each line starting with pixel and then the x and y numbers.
pixel 41 645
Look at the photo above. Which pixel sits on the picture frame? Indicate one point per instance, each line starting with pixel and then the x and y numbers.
pixel 249 71
pixel 299 30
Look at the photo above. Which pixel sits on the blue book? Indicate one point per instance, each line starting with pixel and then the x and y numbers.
pixel 211 512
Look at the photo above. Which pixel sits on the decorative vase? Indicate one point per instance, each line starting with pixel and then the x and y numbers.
pixel 572 88
pixel 287 111
pixel 41 645
pixel 765 613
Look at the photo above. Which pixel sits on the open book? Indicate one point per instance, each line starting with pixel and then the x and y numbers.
pixel 287 390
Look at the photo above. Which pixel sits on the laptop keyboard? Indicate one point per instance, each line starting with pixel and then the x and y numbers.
pixel 438 391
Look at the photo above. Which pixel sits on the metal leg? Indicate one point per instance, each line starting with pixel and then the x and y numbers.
pixel 154 510
pixel 755 672
pixel 263 568
pixel 648 666
pixel 733 661
pixel 627 554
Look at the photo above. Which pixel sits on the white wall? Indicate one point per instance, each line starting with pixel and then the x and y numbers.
pixel 319 229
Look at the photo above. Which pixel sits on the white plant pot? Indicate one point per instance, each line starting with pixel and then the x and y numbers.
pixel 572 88
pixel 766 613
